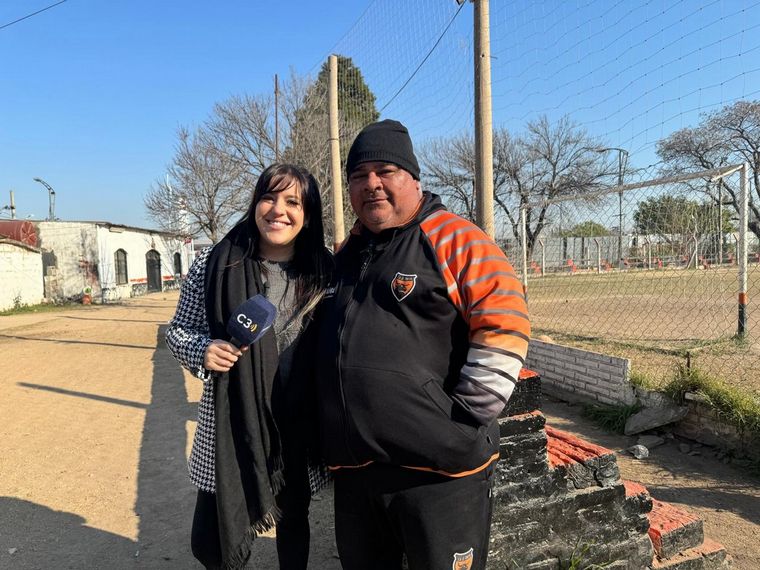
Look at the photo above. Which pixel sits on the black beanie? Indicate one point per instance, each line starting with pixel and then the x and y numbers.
pixel 385 141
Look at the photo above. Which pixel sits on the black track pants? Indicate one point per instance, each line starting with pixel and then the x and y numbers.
pixel 383 512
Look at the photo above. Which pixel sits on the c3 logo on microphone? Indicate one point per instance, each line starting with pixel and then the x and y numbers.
pixel 247 323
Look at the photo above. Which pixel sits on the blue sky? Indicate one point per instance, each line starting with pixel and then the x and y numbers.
pixel 91 92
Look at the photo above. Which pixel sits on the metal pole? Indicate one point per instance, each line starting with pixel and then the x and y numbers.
pixel 276 120
pixel 483 119
pixel 51 198
pixel 543 257
pixel 524 248
pixel 337 176
pixel 598 256
pixel 13 206
pixel 720 222
pixel 743 223
pixel 620 208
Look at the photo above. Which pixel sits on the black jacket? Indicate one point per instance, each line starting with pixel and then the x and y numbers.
pixel 395 345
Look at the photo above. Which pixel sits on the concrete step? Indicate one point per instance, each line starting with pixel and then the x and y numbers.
pixel 707 556
pixel 672 529
pixel 582 463
pixel 677 536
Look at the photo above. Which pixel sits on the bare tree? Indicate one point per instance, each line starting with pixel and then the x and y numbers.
pixel 204 190
pixel 307 117
pixel 450 171
pixel 548 162
pixel 727 136
pixel 215 168
pixel 243 127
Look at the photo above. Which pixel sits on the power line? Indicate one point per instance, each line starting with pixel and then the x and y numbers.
pixel 432 49
pixel 32 14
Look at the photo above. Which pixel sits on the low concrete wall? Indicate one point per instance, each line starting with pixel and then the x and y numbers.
pixel 581 375
pixel 576 375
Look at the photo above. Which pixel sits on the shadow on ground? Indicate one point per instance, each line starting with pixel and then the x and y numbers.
pixel 165 495
pixel 42 538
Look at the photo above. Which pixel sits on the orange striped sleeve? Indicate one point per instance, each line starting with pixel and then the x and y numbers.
pixel 488 294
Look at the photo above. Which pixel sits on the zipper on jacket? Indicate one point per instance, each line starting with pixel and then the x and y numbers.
pixel 366 259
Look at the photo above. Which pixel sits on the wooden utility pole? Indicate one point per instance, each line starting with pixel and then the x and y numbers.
pixel 276 120
pixel 337 176
pixel 483 119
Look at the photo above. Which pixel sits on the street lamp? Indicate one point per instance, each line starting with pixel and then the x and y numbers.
pixel 51 198
pixel 622 162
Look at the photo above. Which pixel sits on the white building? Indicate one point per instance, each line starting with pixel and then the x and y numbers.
pixel 109 261
pixel 114 261
pixel 20 274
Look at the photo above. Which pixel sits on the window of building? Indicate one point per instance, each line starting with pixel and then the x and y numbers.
pixel 177 264
pixel 120 258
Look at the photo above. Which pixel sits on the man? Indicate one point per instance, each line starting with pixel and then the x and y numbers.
pixel 421 341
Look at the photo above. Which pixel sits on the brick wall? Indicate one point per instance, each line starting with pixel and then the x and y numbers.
pixel 581 375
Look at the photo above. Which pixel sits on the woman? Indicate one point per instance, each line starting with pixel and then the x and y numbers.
pixel 244 454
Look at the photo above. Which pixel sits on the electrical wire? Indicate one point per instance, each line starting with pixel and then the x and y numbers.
pixel 432 49
pixel 32 14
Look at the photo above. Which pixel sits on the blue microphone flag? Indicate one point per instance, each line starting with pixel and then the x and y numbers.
pixel 251 320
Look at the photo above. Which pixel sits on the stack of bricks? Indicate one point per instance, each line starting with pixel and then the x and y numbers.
pixel 560 503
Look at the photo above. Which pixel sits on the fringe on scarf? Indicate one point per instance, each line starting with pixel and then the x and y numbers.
pixel 239 559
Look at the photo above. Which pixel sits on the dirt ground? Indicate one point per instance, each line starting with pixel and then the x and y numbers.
pixel 97 420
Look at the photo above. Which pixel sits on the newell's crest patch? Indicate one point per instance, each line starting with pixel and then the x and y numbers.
pixel 402 285
pixel 463 561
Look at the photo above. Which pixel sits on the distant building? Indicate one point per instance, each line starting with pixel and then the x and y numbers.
pixel 110 261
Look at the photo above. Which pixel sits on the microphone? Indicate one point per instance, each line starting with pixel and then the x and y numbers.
pixel 251 320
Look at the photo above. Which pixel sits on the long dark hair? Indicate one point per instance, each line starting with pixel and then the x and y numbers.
pixel 311 263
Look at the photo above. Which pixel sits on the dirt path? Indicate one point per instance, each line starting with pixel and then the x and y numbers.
pixel 97 419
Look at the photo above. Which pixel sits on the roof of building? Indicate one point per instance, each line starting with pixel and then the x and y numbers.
pixel 110 225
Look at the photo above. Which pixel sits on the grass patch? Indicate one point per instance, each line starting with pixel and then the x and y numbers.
pixel 732 404
pixel 643 380
pixel 43 308
pixel 611 418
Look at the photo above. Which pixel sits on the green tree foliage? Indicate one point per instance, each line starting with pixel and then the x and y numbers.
pixel 730 135
pixel 208 183
pixel 675 216
pixel 587 229
pixel 356 102
pixel 309 130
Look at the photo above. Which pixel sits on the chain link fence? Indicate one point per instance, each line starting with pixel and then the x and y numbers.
pixel 652 271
